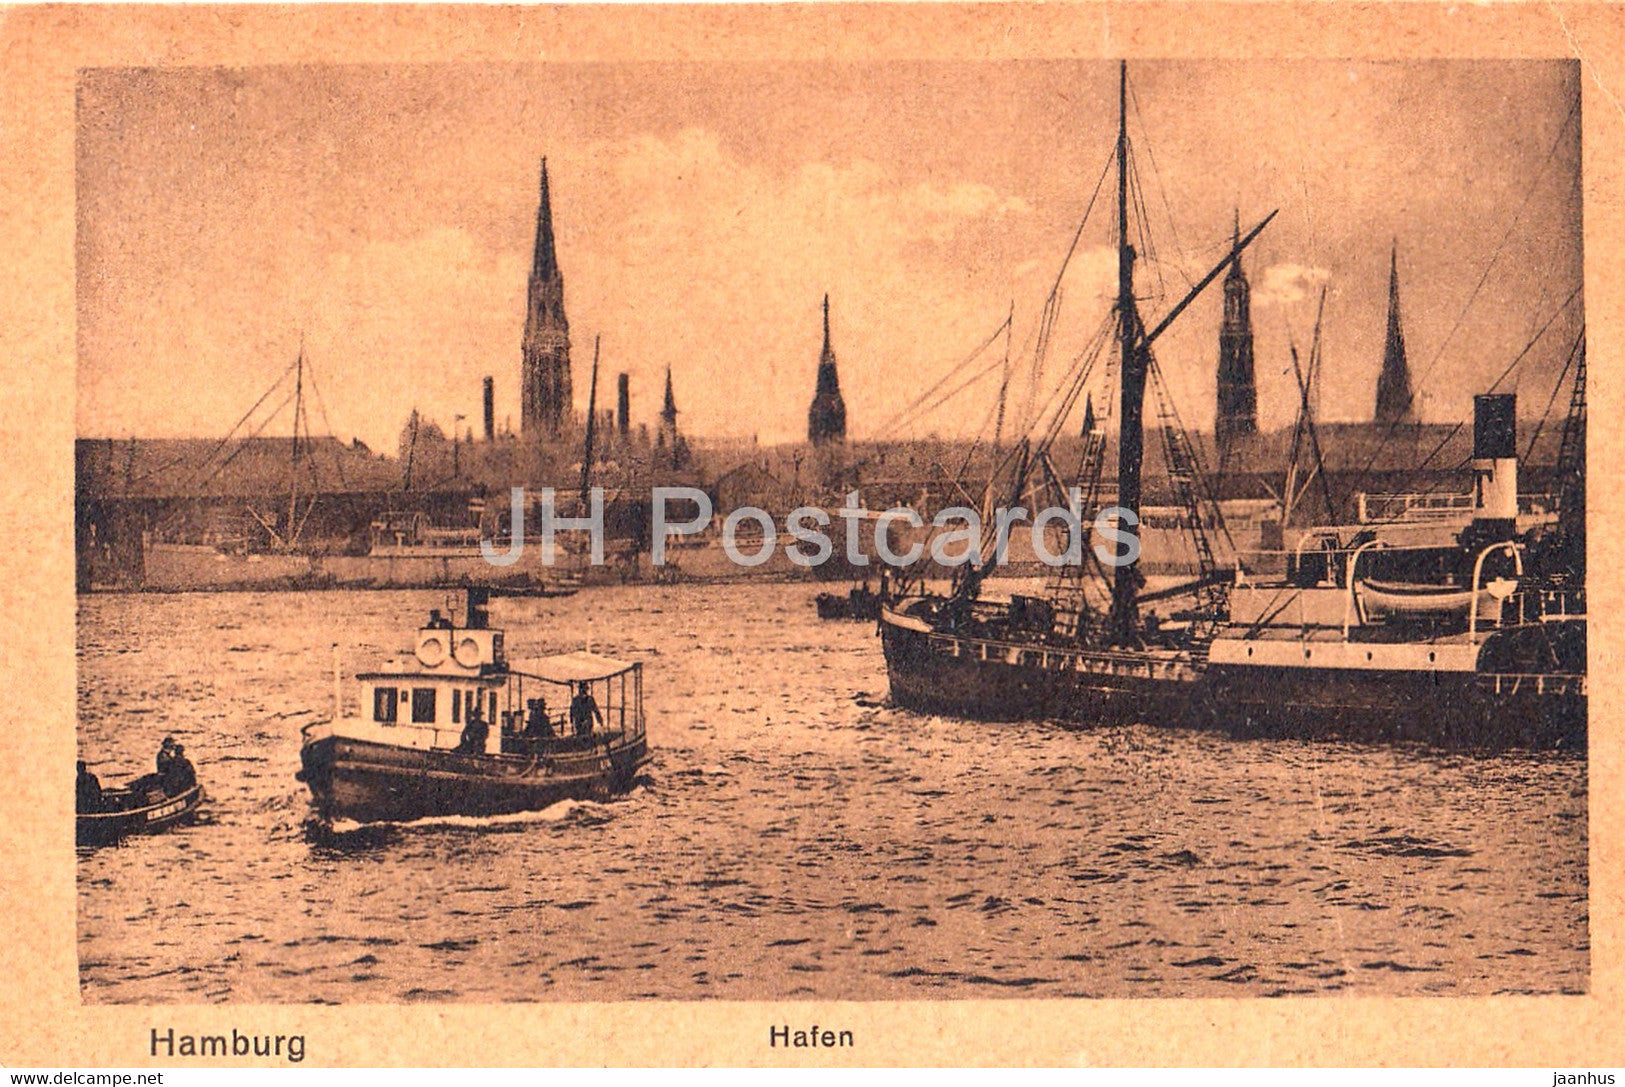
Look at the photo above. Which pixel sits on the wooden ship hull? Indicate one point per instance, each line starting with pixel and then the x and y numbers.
pixel 139 810
pixel 1001 680
pixel 362 781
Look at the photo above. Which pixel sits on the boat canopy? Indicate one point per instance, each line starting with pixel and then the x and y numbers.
pixel 577 667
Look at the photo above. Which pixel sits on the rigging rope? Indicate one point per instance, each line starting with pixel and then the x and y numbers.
pixel 909 413
pixel 1051 311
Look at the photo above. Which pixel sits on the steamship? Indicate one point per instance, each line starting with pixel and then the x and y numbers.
pixel 458 728
pixel 1468 633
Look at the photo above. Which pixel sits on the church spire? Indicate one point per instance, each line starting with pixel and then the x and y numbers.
pixel 826 419
pixel 545 262
pixel 1236 414
pixel 1395 403
pixel 546 396
pixel 671 449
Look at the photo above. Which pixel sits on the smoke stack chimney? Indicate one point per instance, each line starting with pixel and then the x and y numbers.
pixel 490 411
pixel 623 404
pixel 1495 465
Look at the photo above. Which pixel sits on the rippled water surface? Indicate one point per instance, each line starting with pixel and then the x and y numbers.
pixel 794 836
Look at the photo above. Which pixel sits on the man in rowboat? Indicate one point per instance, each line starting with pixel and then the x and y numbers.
pixel 88 798
pixel 166 754
pixel 179 776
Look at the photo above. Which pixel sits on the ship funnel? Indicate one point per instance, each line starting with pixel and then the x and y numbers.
pixel 1495 465
pixel 477 615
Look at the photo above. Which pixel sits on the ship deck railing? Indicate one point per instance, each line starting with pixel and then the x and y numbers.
pixel 1155 664
pixel 1536 683
pixel 1544 605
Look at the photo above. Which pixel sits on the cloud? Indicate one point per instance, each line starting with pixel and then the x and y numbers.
pixel 1282 284
pixel 692 256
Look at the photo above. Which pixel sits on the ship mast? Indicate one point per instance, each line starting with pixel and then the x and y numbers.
pixel 592 421
pixel 293 472
pixel 1125 616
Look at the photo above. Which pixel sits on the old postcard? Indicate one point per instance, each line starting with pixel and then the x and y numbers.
pixel 835 535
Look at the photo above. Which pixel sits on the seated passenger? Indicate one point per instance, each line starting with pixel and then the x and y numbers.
pixel 475 731
pixel 88 796
pixel 166 752
pixel 179 776
pixel 537 726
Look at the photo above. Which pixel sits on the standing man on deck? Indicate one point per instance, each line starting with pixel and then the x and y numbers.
pixel 475 731
pixel 583 709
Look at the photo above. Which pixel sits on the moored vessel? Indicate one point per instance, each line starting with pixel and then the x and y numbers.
pixel 1475 637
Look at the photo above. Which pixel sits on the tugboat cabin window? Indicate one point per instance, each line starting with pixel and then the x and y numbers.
pixel 423 705
pixel 456 706
pixel 383 705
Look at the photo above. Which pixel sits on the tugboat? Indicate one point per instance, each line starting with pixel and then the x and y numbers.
pixel 1477 638
pixel 460 729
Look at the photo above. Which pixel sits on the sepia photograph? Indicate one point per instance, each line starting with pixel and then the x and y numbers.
pixel 842 531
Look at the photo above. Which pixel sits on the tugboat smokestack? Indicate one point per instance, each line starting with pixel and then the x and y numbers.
pixel 1495 465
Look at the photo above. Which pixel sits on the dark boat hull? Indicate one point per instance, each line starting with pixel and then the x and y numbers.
pixel 858 604
pixel 105 828
pixel 1463 709
pixel 1014 683
pixel 369 782
pixel 933 674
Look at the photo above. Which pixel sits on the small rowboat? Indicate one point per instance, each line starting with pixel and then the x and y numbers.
pixel 860 603
pixel 141 807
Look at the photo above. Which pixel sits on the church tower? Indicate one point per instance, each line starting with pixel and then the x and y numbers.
pixel 544 381
pixel 671 448
pixel 1394 401
pixel 1236 415
pixel 826 419
pixel 668 416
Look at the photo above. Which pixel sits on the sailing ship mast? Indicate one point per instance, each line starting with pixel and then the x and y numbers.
pixel 592 426
pixel 293 473
pixel 1125 614
pixel 1134 345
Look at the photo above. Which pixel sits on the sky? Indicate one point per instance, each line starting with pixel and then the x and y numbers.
pixel 385 216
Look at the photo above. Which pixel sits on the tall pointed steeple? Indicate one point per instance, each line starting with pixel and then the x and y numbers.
pixel 826 419
pixel 1394 400
pixel 671 448
pixel 545 387
pixel 1236 414
pixel 668 413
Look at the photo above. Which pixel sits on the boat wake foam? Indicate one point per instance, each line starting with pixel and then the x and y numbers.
pixel 585 811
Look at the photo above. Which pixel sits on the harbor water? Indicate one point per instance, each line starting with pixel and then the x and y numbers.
pixel 793 835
